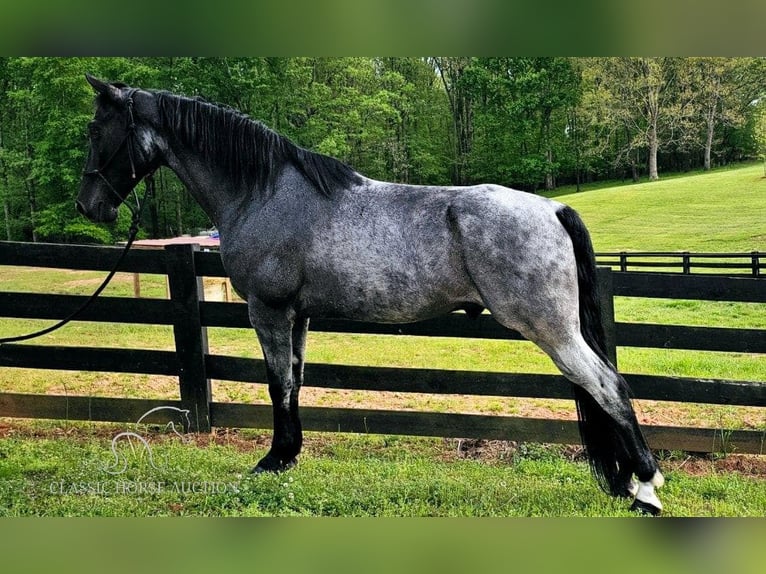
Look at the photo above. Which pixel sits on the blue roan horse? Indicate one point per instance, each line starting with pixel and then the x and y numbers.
pixel 304 235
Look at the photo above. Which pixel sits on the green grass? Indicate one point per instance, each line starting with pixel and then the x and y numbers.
pixel 716 211
pixel 342 476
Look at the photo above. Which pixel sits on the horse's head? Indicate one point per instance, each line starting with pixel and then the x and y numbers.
pixel 123 149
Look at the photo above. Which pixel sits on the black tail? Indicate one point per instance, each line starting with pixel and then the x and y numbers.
pixel 606 450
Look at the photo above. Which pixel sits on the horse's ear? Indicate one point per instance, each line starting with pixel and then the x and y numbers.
pixel 103 88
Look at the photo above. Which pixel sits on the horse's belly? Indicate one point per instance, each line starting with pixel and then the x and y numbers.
pixel 377 310
pixel 385 295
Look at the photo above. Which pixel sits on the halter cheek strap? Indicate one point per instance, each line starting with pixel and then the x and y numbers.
pixel 131 133
pixel 126 141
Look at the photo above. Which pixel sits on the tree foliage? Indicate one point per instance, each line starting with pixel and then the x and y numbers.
pixel 530 123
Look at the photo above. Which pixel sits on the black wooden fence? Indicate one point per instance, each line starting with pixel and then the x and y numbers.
pixel 195 366
pixel 686 262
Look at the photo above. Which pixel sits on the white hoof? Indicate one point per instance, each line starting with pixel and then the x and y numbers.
pixel 646 494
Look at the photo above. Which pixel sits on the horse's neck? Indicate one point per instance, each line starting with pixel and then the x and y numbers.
pixel 215 191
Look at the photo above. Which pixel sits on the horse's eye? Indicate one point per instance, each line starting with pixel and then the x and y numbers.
pixel 94 132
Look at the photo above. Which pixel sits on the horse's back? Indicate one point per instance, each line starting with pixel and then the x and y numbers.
pixel 390 252
pixel 386 254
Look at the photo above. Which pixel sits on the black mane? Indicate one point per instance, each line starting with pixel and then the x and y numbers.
pixel 246 148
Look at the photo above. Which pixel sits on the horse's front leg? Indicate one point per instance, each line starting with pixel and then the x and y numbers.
pixel 274 328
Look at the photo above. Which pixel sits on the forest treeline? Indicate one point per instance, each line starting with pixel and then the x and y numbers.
pixel 528 123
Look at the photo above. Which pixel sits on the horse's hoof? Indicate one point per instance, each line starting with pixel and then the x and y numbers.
pixel 269 465
pixel 645 508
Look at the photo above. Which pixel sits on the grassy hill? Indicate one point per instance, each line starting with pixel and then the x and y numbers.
pixel 716 211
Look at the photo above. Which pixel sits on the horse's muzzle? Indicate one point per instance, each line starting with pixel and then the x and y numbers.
pixel 101 212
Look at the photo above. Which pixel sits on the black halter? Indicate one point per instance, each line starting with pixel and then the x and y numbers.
pixel 127 141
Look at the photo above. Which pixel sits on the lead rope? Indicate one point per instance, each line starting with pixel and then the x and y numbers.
pixel 134 226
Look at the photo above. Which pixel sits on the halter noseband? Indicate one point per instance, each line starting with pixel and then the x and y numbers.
pixel 127 140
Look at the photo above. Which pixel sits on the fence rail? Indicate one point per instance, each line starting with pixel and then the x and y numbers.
pixel 685 262
pixel 194 365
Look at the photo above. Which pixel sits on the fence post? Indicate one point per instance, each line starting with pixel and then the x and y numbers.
pixel 186 291
pixel 686 263
pixel 606 295
pixel 755 260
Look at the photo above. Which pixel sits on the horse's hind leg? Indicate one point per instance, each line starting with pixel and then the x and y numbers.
pixel 611 426
pixel 613 440
pixel 276 329
pixel 532 266
pixel 610 432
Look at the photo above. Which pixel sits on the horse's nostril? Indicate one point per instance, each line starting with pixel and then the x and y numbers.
pixel 80 207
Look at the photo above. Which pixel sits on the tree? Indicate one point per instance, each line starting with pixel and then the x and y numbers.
pixel 518 120
pixel 18 150
pixel 639 105
pixel 759 133
pixel 452 72
pixel 552 86
pixel 420 152
pixel 715 94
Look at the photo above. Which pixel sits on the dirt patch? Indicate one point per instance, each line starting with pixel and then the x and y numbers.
pixel 506 450
pixel 96 281
pixel 234 438
pixel 697 465
pixel 481 449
